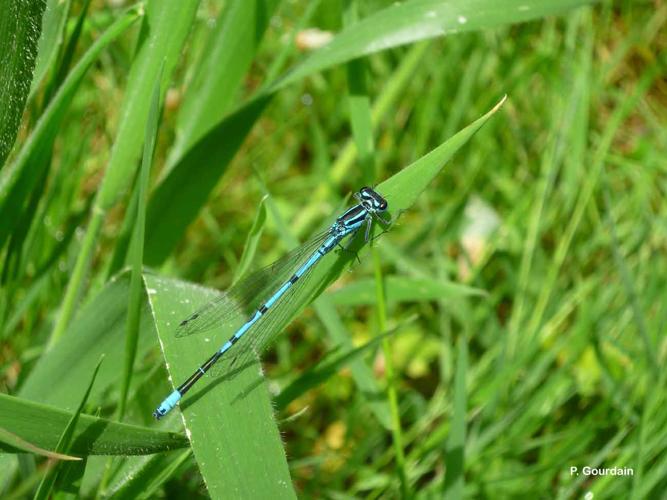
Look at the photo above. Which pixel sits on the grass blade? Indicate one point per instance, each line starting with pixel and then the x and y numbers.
pixel 229 423
pixel 65 441
pixel 136 256
pixel 11 440
pixel 20 26
pixel 409 22
pixel 455 455
pixel 250 247
pixel 50 40
pixel 44 426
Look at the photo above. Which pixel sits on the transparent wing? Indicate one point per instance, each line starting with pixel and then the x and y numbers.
pixel 269 326
pixel 232 308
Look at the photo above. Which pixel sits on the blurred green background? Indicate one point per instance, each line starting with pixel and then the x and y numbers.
pixel 522 295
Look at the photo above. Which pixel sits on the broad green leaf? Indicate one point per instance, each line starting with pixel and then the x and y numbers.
pixel 229 421
pixel 44 425
pixel 18 180
pixel 401 289
pixel 20 26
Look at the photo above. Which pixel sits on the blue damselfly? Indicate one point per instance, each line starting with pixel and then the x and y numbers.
pixel 296 265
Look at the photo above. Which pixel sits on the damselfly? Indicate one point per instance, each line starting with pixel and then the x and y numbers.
pixel 256 331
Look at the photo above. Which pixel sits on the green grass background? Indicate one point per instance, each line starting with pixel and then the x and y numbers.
pixel 427 369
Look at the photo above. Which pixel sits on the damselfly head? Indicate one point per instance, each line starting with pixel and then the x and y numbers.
pixel 371 200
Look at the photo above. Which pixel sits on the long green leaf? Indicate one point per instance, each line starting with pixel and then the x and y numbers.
pixel 401 289
pixel 43 426
pixel 20 26
pixel 409 22
pixel 137 248
pixel 11 440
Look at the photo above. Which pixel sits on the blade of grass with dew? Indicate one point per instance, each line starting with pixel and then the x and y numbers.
pixel 230 423
pixel 252 240
pixel 18 180
pixel 180 195
pixel 455 447
pixel 401 289
pixel 167 25
pixel 99 329
pixel 43 426
pixel 65 442
pixel 409 22
pixel 229 54
pixel 50 40
pixel 10 440
pixel 20 26
pixel 136 252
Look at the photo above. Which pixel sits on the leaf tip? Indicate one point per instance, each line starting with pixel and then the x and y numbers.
pixel 500 103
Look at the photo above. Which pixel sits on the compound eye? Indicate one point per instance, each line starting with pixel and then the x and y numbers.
pixel 383 205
